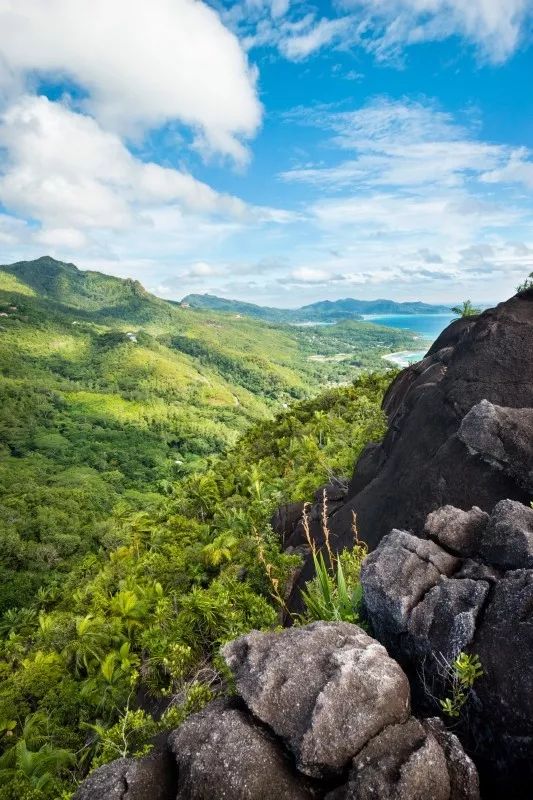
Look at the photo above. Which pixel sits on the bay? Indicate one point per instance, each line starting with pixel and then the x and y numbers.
pixel 427 327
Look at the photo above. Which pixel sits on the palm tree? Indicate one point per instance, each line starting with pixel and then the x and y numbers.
pixel 89 644
pixel 466 309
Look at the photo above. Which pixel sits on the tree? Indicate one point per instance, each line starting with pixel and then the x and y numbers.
pixel 466 309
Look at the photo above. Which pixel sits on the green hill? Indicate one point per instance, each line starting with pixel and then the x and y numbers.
pixel 137 626
pixel 143 449
pixel 109 394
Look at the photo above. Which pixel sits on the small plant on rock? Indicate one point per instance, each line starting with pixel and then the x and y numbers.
pixel 462 674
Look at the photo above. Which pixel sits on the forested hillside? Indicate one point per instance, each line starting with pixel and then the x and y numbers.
pixel 86 668
pixel 108 395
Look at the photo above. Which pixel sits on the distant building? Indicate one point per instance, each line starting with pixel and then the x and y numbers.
pixel 3 314
pixel 131 337
pixel 185 305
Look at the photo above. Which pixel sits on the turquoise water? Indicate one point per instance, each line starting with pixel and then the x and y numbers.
pixel 428 326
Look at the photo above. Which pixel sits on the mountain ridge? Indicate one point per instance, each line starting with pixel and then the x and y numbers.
pixel 321 311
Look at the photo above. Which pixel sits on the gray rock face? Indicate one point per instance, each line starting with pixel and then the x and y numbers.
pixel 350 689
pixel 455 530
pixel 404 762
pixel 463 776
pixel 153 777
pixel 460 431
pixel 483 605
pixel 223 755
pixel 502 438
pixel 396 578
pixel 322 712
pixel 508 539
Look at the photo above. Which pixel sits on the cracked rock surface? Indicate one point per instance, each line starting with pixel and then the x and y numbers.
pixel 321 713
pixel 153 777
pixel 223 754
pixel 482 605
pixel 351 689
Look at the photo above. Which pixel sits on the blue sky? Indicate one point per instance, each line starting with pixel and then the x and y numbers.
pixel 273 151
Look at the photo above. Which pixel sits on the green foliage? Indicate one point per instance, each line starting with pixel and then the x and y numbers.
pixel 526 285
pixel 327 596
pixel 466 309
pixel 108 395
pixel 323 311
pixel 335 592
pixel 124 571
pixel 147 614
pixel 462 675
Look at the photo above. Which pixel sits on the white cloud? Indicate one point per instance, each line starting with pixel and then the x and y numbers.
pixel 300 45
pixel 140 63
pixel 405 144
pixel 493 26
pixel 64 170
pixel 202 270
pixel 308 275
pixel 279 8
pixel 518 169
pixel 386 27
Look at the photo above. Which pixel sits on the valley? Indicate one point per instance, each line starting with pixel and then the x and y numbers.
pixel 109 395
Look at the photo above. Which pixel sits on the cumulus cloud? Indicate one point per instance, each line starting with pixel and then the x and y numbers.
pixel 138 64
pixel 63 169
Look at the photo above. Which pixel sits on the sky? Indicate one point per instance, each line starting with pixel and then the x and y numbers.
pixel 274 151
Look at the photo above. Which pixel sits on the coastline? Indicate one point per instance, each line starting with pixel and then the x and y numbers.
pixel 404 358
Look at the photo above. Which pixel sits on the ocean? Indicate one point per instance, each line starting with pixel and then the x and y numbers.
pixel 426 326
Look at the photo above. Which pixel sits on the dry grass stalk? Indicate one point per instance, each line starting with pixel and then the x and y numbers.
pixel 359 544
pixel 307 528
pixel 326 531
pixel 269 571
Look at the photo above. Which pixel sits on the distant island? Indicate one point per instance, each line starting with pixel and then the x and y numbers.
pixel 322 311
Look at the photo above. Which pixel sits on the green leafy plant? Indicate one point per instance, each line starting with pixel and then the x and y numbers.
pixel 462 673
pixel 335 592
pixel 466 309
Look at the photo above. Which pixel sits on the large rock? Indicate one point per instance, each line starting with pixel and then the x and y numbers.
pixel 483 606
pixel 460 431
pixel 398 576
pixel 222 754
pixel 321 712
pixel 464 780
pixel 501 437
pixel 425 460
pixel 456 530
pixel 409 762
pixel 507 541
pixel 153 777
pixel 325 689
